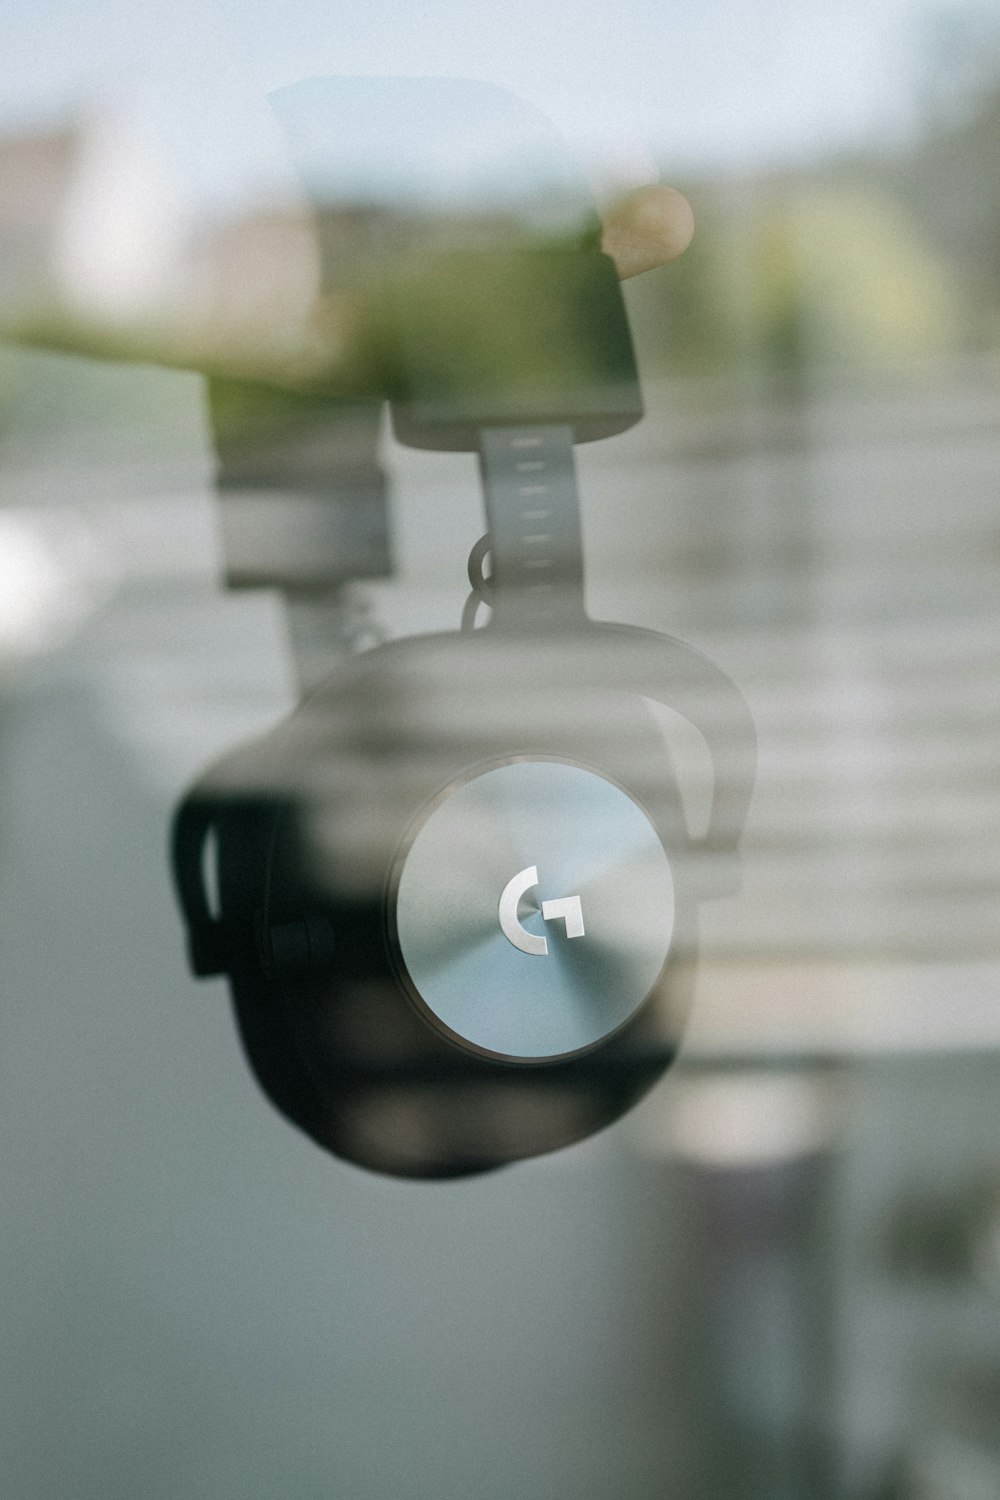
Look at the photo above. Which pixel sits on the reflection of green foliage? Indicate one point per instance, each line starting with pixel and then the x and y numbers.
pixel 680 317
pixel 843 276
pixel 534 329
pixel 868 260
pixel 881 290
pixel 791 274
pixel 459 338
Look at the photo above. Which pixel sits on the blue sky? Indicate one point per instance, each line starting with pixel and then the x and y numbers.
pixel 700 82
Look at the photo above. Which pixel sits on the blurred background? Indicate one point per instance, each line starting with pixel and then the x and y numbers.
pixel 780 1277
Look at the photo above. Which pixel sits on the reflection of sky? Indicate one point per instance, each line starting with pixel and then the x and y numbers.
pixel 413 138
pixel 728 80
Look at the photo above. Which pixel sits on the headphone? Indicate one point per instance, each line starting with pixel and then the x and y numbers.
pixel 455 893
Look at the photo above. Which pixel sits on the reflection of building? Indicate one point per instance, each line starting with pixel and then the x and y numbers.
pixel 104 250
pixel 35 171
pixel 90 224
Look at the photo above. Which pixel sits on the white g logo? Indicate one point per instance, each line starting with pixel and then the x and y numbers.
pixel 566 909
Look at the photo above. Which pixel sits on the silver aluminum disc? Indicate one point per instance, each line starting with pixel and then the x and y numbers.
pixel 534 909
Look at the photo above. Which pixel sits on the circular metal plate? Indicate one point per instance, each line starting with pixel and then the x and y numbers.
pixel 534 909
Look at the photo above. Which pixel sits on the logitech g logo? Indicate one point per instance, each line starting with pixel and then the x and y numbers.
pixel 566 908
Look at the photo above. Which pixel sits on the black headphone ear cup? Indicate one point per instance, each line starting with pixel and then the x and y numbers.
pixel 233 834
pixel 310 822
pixel 244 841
pixel 399 1095
pixel 272 1049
